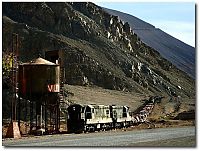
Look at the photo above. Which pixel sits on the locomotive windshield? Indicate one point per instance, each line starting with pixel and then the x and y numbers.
pixel 88 113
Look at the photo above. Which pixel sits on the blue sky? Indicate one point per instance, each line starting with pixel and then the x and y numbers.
pixel 175 18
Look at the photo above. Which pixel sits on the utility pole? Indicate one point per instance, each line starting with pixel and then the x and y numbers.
pixel 13 129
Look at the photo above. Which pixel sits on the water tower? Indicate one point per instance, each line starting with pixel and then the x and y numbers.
pixel 39 85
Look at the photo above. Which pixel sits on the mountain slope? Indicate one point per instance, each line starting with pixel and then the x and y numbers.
pixel 98 48
pixel 172 49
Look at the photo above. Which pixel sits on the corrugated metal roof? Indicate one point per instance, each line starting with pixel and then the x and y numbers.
pixel 39 61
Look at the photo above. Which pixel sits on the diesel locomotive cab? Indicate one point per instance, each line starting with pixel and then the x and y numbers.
pixel 75 121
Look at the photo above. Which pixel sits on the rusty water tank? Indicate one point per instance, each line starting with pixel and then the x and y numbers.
pixel 37 78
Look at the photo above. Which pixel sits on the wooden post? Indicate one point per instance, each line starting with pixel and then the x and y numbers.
pixel 13 129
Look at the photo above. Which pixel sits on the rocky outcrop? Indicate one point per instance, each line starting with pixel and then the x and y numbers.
pixel 177 52
pixel 83 70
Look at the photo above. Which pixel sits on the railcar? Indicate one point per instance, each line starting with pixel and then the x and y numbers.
pixel 97 117
pixel 121 117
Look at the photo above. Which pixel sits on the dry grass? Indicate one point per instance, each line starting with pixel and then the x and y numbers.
pixel 97 95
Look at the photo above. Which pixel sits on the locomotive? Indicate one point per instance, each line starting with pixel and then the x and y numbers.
pixel 83 118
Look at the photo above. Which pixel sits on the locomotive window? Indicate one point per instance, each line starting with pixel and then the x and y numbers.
pixel 88 109
pixel 83 110
pixel 114 114
pixel 88 113
pixel 124 112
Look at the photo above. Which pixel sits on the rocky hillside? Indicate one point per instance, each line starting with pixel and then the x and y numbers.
pixel 172 49
pixel 100 49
